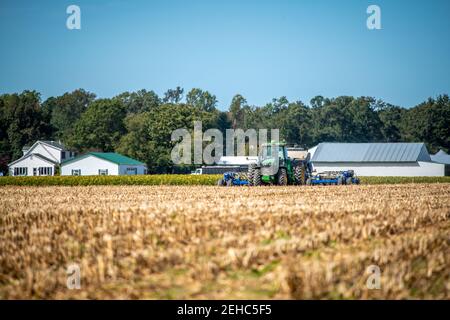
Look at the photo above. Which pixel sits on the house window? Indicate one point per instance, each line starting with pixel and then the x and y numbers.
pixel 131 171
pixel 102 172
pixel 45 171
pixel 63 155
pixel 76 172
pixel 20 171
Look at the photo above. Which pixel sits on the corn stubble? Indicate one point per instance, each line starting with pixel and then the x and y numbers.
pixel 177 242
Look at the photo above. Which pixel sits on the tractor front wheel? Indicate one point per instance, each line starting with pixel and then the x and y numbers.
pixel 257 177
pixel 282 177
pixel 251 173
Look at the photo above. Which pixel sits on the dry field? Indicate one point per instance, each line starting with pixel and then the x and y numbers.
pixel 174 242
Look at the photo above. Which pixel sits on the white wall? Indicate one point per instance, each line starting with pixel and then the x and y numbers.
pixel 237 160
pixel 123 169
pixel 89 166
pixel 30 163
pixel 312 151
pixel 416 169
pixel 47 151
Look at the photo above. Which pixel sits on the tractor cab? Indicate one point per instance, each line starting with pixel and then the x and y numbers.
pixel 272 153
pixel 275 167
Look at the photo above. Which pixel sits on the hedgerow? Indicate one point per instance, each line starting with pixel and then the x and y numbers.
pixel 174 179
pixel 163 179
pixel 400 180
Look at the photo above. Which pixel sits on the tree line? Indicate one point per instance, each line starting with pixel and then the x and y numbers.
pixel 139 124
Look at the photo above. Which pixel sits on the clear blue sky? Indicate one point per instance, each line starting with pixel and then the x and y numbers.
pixel 260 49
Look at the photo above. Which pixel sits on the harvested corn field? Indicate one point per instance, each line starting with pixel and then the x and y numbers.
pixel 175 242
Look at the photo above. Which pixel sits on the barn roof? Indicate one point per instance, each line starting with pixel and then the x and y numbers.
pixel 371 152
pixel 441 157
pixel 108 156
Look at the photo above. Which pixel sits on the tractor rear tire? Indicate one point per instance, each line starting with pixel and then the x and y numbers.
pixel 299 175
pixel 257 177
pixel 251 173
pixel 282 177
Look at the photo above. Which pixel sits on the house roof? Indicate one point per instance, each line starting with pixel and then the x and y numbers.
pixel 53 143
pixel 108 156
pixel 371 152
pixel 33 154
pixel 441 157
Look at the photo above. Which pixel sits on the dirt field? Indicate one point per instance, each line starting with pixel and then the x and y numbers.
pixel 210 242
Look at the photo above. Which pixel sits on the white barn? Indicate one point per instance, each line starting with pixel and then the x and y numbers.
pixel 41 159
pixel 376 159
pixel 102 163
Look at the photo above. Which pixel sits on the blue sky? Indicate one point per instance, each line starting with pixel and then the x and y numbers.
pixel 260 49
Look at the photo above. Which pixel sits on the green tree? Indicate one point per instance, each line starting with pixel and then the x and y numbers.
pixel 21 122
pixel 391 118
pixel 136 142
pixel 64 111
pixel 173 95
pixel 429 122
pixel 201 99
pixel 345 119
pixel 100 126
pixel 236 114
pixel 140 101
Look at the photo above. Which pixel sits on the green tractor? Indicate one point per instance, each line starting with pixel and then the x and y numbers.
pixel 274 167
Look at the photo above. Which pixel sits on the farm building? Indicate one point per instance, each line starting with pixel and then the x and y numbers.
pixel 40 159
pixel 444 158
pixel 376 159
pixel 441 157
pixel 100 163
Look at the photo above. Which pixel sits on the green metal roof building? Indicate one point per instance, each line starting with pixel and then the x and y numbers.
pixel 102 163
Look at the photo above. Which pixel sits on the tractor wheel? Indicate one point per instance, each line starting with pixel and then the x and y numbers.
pixel 299 175
pixel 257 177
pixel 251 172
pixel 340 181
pixel 282 177
pixel 220 182
pixel 349 181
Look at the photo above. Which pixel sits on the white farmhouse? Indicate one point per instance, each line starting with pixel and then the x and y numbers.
pixel 376 159
pixel 102 163
pixel 41 159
